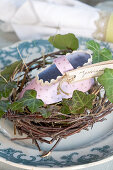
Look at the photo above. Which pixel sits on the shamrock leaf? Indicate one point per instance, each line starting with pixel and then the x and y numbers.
pixel 6 88
pixel 29 100
pixel 99 54
pixel 106 80
pixel 63 42
pixel 4 105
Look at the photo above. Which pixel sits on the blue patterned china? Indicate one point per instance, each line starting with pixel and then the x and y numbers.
pixel 78 151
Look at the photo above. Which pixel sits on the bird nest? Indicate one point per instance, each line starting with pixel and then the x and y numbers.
pixel 57 125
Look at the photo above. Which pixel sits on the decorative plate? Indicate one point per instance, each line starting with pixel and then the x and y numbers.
pixel 78 151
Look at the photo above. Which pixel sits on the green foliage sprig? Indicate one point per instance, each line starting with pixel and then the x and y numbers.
pixel 29 100
pixel 106 80
pixel 78 103
pixel 4 105
pixel 63 42
pixel 99 54
pixel 7 85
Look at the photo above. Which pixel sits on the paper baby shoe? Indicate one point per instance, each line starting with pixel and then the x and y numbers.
pixel 47 83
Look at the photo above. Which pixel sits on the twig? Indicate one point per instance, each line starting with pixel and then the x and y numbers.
pixel 45 154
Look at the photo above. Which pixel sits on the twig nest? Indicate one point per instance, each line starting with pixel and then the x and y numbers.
pixel 52 85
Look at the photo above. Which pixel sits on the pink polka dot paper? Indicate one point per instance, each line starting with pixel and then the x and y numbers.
pixel 49 92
